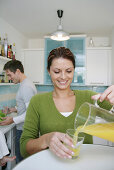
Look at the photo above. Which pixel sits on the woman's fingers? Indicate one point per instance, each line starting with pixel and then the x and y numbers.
pixel 61 150
pixel 96 97
pixel 58 145
pixel 108 94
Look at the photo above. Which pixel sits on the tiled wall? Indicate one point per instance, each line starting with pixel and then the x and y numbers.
pixel 8 92
pixel 46 88
pixel 7 95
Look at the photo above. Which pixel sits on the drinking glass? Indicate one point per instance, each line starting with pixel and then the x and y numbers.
pixel 77 142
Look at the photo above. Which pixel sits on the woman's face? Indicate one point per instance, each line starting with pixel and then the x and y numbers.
pixel 61 72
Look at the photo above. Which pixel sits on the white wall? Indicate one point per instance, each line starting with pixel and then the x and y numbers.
pixel 36 43
pixel 14 36
pixel 98 42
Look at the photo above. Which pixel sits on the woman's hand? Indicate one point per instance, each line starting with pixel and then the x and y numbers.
pixel 108 94
pixel 56 142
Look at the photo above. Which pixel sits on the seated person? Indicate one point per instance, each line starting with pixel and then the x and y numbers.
pixel 4 151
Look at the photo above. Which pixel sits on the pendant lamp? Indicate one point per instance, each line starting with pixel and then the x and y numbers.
pixel 60 35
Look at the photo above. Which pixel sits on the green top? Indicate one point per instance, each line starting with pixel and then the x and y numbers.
pixel 43 117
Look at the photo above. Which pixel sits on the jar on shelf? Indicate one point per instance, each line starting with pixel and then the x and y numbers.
pixel 2 78
pixel 91 43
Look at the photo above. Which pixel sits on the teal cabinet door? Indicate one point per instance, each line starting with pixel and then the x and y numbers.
pixel 77 46
pixel 49 46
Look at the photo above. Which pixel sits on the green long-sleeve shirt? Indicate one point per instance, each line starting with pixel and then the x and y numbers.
pixel 43 117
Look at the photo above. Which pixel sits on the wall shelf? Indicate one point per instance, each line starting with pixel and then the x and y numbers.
pixel 4 58
pixel 6 84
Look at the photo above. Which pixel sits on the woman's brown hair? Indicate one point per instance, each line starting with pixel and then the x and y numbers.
pixel 60 52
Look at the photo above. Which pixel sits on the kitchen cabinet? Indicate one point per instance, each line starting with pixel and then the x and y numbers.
pixel 49 46
pixel 98 66
pixel 77 45
pixel 33 61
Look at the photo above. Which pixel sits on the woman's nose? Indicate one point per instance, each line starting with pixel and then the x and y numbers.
pixel 63 75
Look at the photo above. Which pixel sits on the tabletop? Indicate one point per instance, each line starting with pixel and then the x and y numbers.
pixel 92 157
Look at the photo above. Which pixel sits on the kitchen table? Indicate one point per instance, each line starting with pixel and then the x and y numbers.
pixel 92 157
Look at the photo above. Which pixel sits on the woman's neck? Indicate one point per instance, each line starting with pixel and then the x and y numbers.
pixel 62 93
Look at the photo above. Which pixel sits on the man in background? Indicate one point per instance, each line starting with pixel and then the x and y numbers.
pixel 15 72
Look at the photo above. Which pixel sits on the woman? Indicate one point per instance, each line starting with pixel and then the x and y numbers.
pixel 51 114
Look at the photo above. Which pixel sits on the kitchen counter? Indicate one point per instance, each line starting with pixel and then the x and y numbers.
pixel 74 85
pixel 5 129
pixel 49 87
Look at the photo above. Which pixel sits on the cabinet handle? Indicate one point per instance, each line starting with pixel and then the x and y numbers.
pixel 96 83
pixel 36 82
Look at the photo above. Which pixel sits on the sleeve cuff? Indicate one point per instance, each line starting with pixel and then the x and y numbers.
pixel 16 107
pixel 16 121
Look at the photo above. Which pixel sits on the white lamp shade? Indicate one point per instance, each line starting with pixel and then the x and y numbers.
pixel 60 35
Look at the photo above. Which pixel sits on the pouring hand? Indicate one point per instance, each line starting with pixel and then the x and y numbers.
pixel 55 142
pixel 108 94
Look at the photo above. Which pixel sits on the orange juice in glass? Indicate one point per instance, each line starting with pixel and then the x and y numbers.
pixel 77 142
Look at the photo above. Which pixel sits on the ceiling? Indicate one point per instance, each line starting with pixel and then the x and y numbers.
pixel 37 18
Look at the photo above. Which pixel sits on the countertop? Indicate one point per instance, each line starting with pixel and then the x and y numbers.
pixel 5 129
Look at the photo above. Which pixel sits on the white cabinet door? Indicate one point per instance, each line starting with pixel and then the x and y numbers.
pixel 34 65
pixel 98 66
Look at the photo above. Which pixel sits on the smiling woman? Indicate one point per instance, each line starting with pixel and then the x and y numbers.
pixel 51 114
pixel 61 65
pixel 61 72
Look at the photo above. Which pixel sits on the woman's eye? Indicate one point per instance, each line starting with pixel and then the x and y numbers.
pixel 69 71
pixel 56 72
